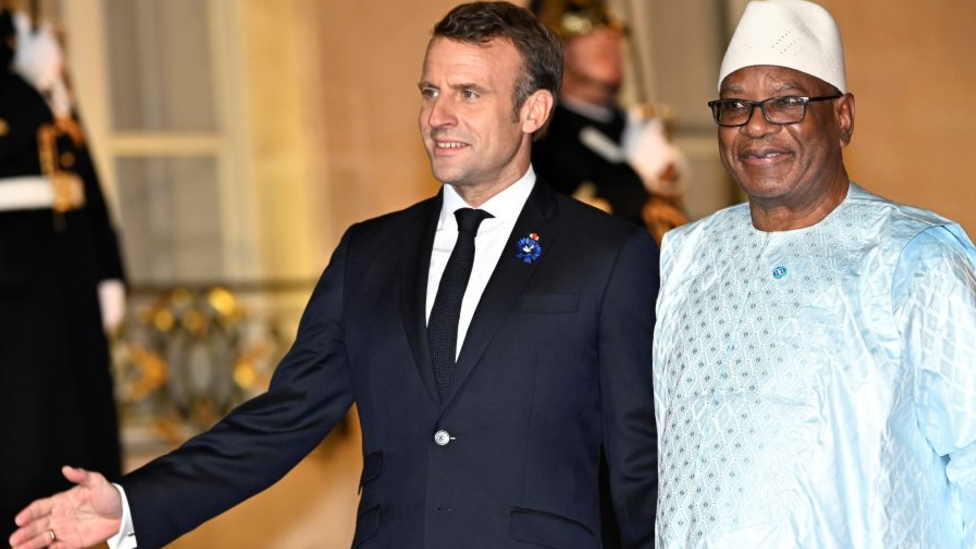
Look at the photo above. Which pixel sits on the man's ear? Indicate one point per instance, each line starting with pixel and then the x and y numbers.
pixel 536 110
pixel 844 112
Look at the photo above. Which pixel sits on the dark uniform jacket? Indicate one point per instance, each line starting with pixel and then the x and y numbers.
pixel 562 158
pixel 56 398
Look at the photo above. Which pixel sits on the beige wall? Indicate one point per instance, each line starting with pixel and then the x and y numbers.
pixel 278 143
pixel 910 65
pixel 912 68
pixel 332 107
pixel 364 64
pixel 327 100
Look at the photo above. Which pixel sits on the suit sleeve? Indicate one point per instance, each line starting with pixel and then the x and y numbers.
pixel 630 435
pixel 261 440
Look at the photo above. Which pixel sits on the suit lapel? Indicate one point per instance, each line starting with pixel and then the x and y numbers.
pixel 414 264
pixel 506 283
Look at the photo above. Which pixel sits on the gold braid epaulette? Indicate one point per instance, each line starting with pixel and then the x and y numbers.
pixel 68 190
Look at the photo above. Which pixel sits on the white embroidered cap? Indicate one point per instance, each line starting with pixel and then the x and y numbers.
pixel 795 34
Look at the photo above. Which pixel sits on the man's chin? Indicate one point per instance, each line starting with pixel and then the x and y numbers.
pixel 763 182
pixel 763 189
pixel 447 177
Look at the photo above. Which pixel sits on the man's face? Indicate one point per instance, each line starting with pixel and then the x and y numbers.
pixel 596 58
pixel 472 136
pixel 791 165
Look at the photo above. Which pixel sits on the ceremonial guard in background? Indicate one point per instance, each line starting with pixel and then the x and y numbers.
pixel 620 161
pixel 59 258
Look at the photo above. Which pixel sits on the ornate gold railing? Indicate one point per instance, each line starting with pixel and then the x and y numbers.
pixel 187 354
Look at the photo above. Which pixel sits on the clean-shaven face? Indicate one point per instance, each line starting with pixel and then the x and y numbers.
pixel 467 120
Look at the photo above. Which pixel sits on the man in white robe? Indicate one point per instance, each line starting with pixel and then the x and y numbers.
pixel 815 351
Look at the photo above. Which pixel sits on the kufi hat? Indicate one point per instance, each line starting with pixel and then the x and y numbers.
pixel 795 34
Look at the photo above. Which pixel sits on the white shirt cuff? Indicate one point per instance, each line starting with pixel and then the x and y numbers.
pixel 126 537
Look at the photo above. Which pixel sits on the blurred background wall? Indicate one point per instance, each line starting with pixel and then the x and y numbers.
pixel 239 138
pixel 912 70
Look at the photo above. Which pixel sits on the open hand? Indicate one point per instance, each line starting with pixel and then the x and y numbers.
pixel 83 516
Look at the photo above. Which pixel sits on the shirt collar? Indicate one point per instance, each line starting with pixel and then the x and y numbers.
pixel 504 206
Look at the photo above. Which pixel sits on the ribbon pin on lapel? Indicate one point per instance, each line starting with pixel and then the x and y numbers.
pixel 529 248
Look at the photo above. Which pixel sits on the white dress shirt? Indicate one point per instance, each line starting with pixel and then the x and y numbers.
pixel 490 242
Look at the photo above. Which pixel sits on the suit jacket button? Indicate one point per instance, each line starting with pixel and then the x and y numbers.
pixel 442 438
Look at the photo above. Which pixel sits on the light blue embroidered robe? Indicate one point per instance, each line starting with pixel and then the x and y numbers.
pixel 816 388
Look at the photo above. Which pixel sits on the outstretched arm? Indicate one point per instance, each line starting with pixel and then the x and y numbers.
pixel 247 451
pixel 263 438
pixel 83 516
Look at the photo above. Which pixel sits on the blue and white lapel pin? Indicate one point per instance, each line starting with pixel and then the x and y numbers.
pixel 529 248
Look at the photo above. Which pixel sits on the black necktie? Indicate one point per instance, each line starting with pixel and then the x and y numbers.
pixel 442 328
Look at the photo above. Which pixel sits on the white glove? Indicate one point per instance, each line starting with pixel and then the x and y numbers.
pixel 659 164
pixel 39 61
pixel 111 299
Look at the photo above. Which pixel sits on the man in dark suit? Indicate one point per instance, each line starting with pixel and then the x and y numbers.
pixel 489 371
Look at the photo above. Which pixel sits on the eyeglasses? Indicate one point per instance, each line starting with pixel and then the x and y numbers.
pixel 731 113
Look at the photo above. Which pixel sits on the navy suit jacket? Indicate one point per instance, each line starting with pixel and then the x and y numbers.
pixel 555 367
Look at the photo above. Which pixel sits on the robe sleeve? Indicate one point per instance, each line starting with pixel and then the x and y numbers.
pixel 934 300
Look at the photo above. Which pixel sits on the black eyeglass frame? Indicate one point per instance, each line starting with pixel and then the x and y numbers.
pixel 804 101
